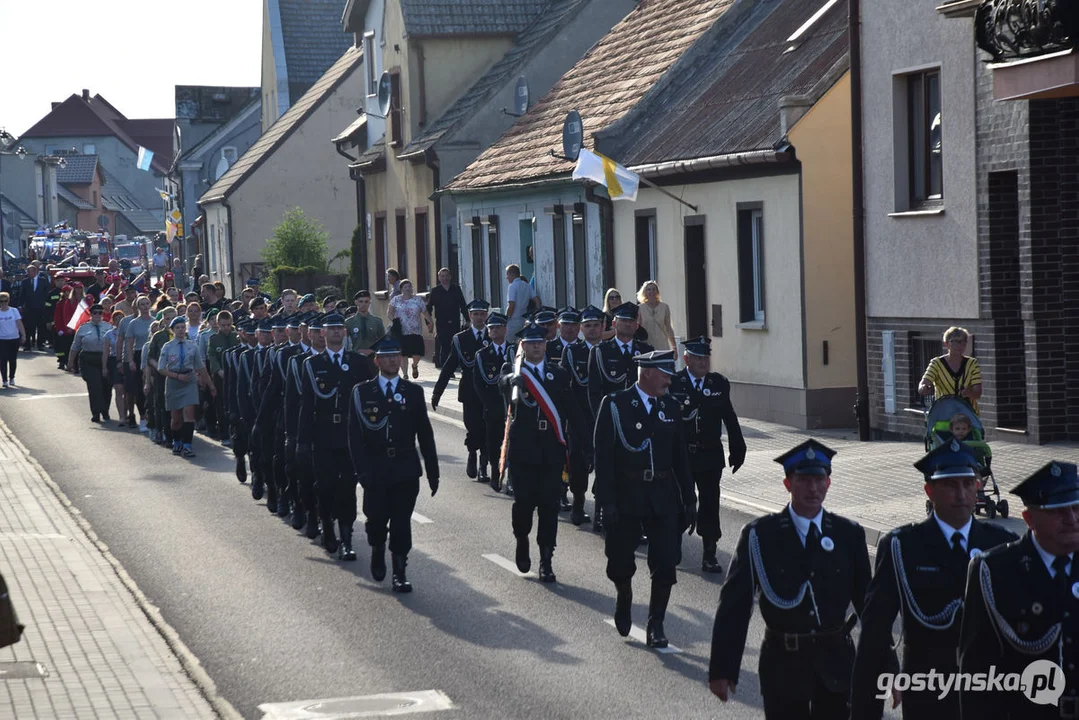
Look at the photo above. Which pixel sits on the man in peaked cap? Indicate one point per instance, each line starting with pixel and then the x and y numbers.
pixel 920 574
pixel 808 566
pixel 643 479
pixel 465 345
pixel 492 362
pixel 301 471
pixel 1022 605
pixel 257 379
pixel 705 398
pixel 387 417
pixel 575 361
pixel 569 327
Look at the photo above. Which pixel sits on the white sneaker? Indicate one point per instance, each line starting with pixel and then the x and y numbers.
pixel 142 427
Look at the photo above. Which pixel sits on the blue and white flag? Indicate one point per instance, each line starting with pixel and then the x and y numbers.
pixel 145 158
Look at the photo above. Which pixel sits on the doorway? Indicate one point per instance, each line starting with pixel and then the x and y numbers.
pixel 696 286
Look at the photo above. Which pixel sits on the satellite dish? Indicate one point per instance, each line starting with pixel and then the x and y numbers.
pixel 520 96
pixel 102 221
pixel 385 94
pixel 572 136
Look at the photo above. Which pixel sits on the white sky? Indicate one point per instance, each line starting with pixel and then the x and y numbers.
pixel 132 52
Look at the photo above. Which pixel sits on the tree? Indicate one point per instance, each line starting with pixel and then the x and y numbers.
pixel 298 243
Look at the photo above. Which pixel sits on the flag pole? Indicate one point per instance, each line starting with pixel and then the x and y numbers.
pixel 668 193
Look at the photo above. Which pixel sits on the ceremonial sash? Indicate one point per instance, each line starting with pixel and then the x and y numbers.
pixel 543 400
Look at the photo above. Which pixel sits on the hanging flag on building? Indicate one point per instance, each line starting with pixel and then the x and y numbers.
pixel 146 157
pixel 621 183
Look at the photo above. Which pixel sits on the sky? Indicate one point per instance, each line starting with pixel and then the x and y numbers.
pixel 117 48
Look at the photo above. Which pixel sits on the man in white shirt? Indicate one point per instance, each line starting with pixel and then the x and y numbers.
pixel 519 298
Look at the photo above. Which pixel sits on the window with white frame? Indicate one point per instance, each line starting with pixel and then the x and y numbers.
pixel 370 63
pixel 751 294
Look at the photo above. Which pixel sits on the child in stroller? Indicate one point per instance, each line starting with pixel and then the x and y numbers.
pixel 951 418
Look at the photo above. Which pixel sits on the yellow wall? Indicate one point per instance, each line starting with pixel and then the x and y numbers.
pixel 451 66
pixel 822 140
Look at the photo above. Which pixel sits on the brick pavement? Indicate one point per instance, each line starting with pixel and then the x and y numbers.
pixel 874 483
pixel 85 620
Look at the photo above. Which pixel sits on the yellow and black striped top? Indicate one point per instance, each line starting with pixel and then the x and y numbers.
pixel 945 382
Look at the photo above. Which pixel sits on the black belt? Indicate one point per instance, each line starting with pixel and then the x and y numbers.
pixel 391 452
pixel 792 642
pixel 648 475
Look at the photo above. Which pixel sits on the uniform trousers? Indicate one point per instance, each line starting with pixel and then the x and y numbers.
pixel 578 472
pixel 707 482
pixel 294 474
pixel 790 686
pixel 33 321
pixel 133 386
pixel 664 546
pixel 215 410
pixel 335 483
pixel 97 385
pixel 537 488
pixel 63 346
pixel 494 429
pixel 444 333
pixel 240 438
pixel 279 473
pixel 304 477
pixel 388 502
pixel 475 434
pixel 164 420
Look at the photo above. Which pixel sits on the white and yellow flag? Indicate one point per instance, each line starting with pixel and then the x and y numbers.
pixel 621 183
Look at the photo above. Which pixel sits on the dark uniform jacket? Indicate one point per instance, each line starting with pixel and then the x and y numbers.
pixel 575 362
pixel 532 436
pixel 1014 615
pixel 463 356
pixel 772 566
pixel 293 392
pixel 487 375
pixel 273 399
pixel 919 576
pixel 382 433
pixel 245 369
pixel 704 415
pixel 641 463
pixel 609 370
pixel 324 400
pixel 555 348
pixel 260 377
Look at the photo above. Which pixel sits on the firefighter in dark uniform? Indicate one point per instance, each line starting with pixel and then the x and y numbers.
pixel 1022 606
pixel 643 479
pixel 302 474
pixel 322 435
pixel 575 361
pixel 569 327
pixel 610 364
pixel 805 567
pixel 492 362
pixel 706 409
pixel 258 363
pixel 546 318
pixel 239 432
pixel 921 572
pixel 464 347
pixel 545 423
pixel 387 417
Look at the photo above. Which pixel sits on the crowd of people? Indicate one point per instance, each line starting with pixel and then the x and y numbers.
pixel 315 397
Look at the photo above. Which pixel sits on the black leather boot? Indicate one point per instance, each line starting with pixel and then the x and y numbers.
pixel 657 610
pixel 298 516
pixel 577 515
pixel 271 497
pixel 623 608
pixel 546 572
pixel 400 582
pixel 329 538
pixel 345 552
pixel 378 562
pixel 258 489
pixel 709 563
pixel 482 470
pixel 241 469
pixel 524 562
pixel 311 531
pixel 564 504
pixel 284 507
pixel 471 467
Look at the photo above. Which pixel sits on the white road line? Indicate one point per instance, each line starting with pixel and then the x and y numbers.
pixel 508 565
pixel 638 634
pixel 448 420
pixel 382 705
pixel 54 396
pixel 421 519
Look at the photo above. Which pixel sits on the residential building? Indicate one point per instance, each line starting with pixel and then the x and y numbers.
pixel 517 202
pixel 301 39
pixel 28 197
pixel 968 200
pixel 80 181
pixel 454 71
pixel 749 237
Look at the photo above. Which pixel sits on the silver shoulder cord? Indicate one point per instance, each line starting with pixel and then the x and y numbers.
pixel 314 385
pixel 489 380
pixel 515 396
pixel 941 621
pixel 599 364
pixel 646 445
pixel 1005 631
pixel 756 567
pixel 461 354
pixel 357 406
pixel 572 367
pixel 296 372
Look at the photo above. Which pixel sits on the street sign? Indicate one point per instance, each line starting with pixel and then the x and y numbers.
pixel 176 216
pixel 572 136
pixel 102 221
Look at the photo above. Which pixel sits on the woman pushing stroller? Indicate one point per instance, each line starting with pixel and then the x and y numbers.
pixel 955 372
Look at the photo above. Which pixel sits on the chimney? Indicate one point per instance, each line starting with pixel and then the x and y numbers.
pixel 791 109
pixel 85 94
pixel 56 105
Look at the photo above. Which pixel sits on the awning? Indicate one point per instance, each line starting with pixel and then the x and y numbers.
pixel 349 133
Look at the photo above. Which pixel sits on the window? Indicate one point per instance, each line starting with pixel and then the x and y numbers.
pixel 382 250
pixel 93 194
pixel 422 250
pixel 230 154
pixel 370 64
pixel 494 261
pixel 580 258
pixel 50 149
pixel 924 138
pixel 89 149
pixel 402 247
pixel 750 264
pixel 396 133
pixel 645 240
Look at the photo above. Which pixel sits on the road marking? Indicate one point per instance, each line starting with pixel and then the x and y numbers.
pixel 638 634
pixel 508 565
pixel 421 519
pixel 359 707
pixel 448 420
pixel 53 396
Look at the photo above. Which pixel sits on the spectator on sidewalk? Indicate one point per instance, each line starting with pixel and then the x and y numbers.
pixel 33 296
pixel 161 261
pixel 450 312
pixel 363 329
pixel 12 332
pixel 393 283
pixel 954 372
pixel 410 310
pixel 655 315
pixel 88 350
pixel 519 297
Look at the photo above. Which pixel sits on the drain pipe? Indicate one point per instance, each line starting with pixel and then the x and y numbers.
pixel 861 407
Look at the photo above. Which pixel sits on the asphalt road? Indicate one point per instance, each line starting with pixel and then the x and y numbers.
pixel 273 619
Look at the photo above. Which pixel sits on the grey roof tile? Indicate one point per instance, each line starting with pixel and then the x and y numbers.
pixel 79 170
pixel 65 194
pixel 470 17
pixel 313 39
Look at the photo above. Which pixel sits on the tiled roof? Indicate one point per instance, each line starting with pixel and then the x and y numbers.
pixel 603 86
pixel 78 170
pixel 313 39
pixel 531 40
pixel 372 157
pixel 73 199
pixel 22 217
pixel 270 140
pixel 154 135
pixel 116 197
pixel 470 17
pixel 143 220
pixel 726 100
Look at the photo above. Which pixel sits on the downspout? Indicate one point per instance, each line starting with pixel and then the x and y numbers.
pixel 858 177
pixel 233 275
pixel 431 160
pixel 423 85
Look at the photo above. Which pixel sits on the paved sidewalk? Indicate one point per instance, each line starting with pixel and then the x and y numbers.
pixel 874 483
pixel 85 623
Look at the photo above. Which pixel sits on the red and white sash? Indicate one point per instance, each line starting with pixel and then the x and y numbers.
pixel 546 405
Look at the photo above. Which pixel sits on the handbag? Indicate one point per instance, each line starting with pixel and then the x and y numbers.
pixel 395 330
pixel 10 629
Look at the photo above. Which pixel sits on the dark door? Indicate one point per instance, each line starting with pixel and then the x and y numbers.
pixel 402 249
pixel 494 262
pixel 380 252
pixel 558 225
pixel 580 259
pixel 696 283
pixel 477 259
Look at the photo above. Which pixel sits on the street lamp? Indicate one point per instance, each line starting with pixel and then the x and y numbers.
pixel 6 141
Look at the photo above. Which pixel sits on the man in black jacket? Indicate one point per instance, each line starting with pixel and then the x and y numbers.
pixel 464 347
pixel 491 364
pixel 387 417
pixel 33 295
pixel 448 305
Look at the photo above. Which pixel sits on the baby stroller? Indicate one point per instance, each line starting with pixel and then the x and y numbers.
pixel 938 430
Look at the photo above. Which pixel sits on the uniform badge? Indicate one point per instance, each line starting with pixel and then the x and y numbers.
pixel 638 426
pixel 826 544
pixel 550 376
pixel 486 343
pixel 686 403
pixel 344 366
pixel 1075 590
pixel 1055 470
pixel 810 455
pixel 1036 608
pixel 662 416
pixel 976 553
pixel 634 403
pixel 397 397
pixel 955 445
pixel 707 392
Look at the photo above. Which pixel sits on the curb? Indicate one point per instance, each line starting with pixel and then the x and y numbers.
pixel 451 413
pixel 190 664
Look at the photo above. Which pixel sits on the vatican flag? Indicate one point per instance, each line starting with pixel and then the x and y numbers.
pixel 621 184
